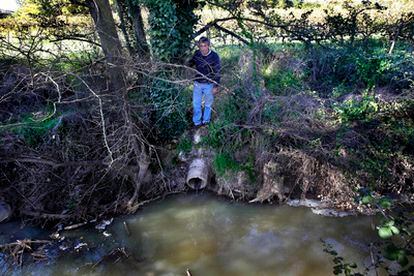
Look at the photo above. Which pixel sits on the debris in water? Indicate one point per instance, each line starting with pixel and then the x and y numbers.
pixel 63 247
pixel 127 229
pixel 55 235
pixel 80 245
pixel 114 256
pixel 106 234
pixel 104 224
pixel 332 213
pixel 74 226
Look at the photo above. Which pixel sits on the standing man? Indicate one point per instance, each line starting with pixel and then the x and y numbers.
pixel 207 79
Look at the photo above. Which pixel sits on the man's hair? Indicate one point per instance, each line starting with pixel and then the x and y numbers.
pixel 204 39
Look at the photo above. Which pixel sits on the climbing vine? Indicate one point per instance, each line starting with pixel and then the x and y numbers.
pixel 171 27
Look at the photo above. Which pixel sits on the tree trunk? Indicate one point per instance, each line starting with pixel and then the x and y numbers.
pixel 126 26
pixel 105 26
pixel 138 23
pixel 119 108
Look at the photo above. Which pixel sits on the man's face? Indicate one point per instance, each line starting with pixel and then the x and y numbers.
pixel 204 48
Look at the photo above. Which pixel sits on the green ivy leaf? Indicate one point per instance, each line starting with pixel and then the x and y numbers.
pixel 385 203
pixel 391 253
pixel 384 232
pixel 394 230
pixel 403 259
pixel 389 223
pixel 367 199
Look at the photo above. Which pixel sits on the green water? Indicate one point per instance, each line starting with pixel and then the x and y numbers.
pixel 211 236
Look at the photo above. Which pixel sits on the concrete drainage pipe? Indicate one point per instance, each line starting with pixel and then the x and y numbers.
pixel 198 174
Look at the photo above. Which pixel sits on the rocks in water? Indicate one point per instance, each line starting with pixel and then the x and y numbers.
pixel 319 208
pixel 310 203
pixel 332 212
pixel 5 211
pixel 104 224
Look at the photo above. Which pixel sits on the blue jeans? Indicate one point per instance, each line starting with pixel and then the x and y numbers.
pixel 200 90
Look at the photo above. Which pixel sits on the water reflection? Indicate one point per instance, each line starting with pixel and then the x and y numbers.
pixel 214 237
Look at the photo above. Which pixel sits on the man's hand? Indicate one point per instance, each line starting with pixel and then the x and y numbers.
pixel 215 90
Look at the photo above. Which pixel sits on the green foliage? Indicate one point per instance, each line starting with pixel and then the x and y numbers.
pixel 373 69
pixel 76 61
pixel 32 130
pixel 224 132
pixel 278 81
pixel 387 230
pixel 390 138
pixel 339 90
pixel 216 135
pixel 376 162
pixel 339 69
pixel 271 112
pixel 223 162
pixel 353 109
pixel 395 230
pixel 169 105
pixel 171 26
pixel 184 144
pixel 394 253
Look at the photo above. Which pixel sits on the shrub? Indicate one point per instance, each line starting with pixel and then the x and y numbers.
pixel 279 81
pixel 223 162
pixel 354 109
pixel 184 144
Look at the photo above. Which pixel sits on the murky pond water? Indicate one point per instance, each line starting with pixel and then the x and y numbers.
pixel 211 236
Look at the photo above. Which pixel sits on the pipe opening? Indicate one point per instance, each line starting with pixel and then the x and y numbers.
pixel 196 183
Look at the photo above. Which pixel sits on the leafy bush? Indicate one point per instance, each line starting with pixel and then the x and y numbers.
pixel 75 61
pixel 279 81
pixel 270 112
pixel 354 109
pixel 184 144
pixel 223 162
pixel 339 90
pixel 216 135
pixel 224 132
pixel 395 229
pixel 364 65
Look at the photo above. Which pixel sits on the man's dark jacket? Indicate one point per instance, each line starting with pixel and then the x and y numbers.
pixel 208 65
